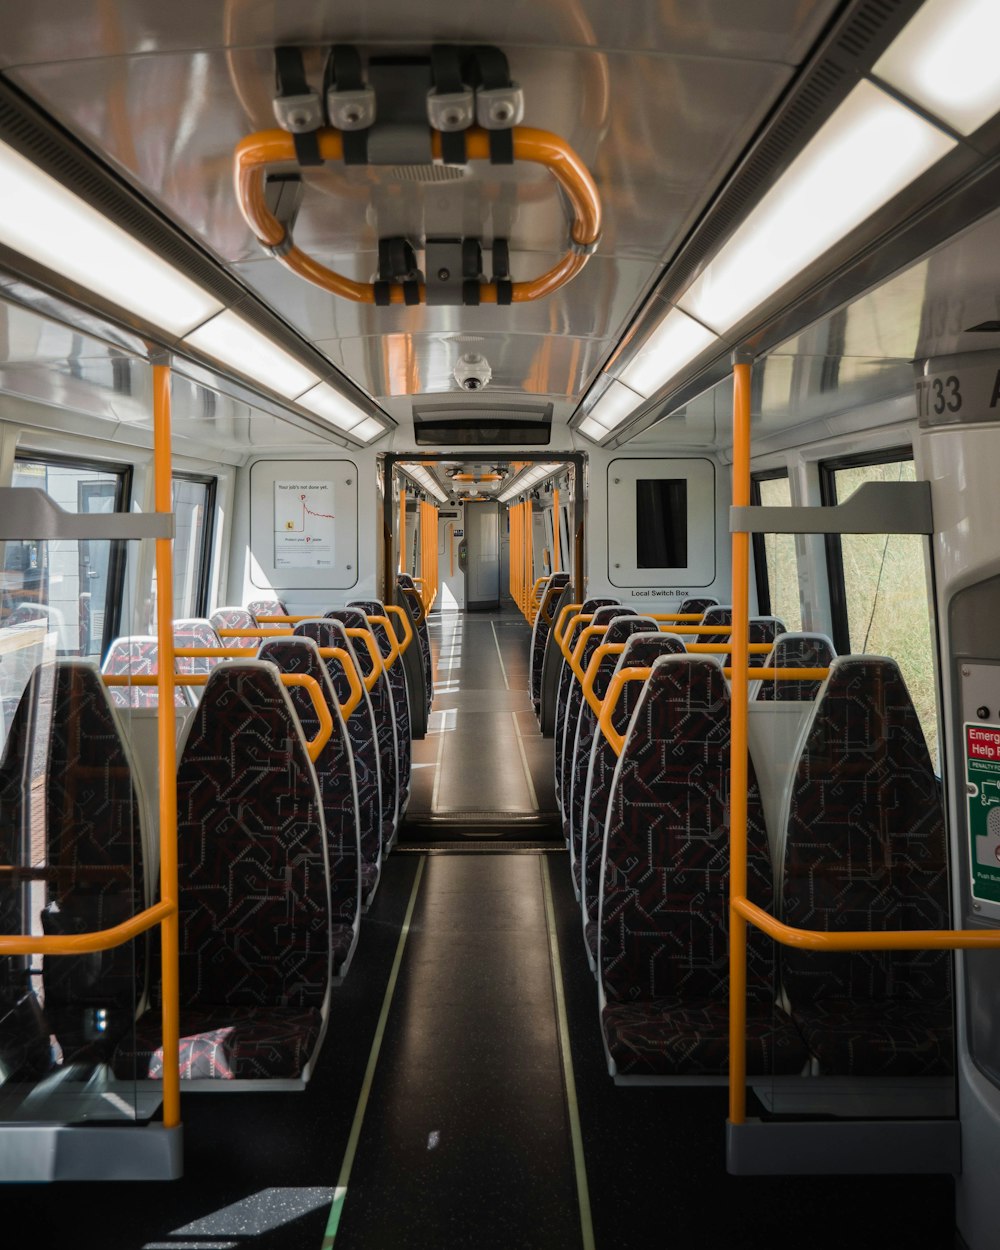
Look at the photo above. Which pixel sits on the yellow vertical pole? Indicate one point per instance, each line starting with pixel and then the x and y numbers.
pixel 515 519
pixel 556 566
pixel 402 529
pixel 738 743
pixel 166 749
pixel 529 558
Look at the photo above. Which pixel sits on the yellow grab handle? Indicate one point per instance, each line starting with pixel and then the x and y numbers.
pixel 618 683
pixel 393 656
pixel 785 674
pixel 368 638
pixel 254 633
pixel 353 677
pixel 576 660
pixel 315 745
pixel 581 618
pixel 590 676
pixel 557 628
pixel 395 610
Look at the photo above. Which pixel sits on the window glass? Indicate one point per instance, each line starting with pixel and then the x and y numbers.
pixel 780 563
pixel 192 525
pixel 79 579
pixel 885 593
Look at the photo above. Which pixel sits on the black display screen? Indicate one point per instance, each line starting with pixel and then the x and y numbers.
pixel 661 525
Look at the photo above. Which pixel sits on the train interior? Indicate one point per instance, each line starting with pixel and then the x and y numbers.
pixel 496 390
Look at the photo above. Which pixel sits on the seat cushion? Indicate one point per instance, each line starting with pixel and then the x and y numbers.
pixel 889 1037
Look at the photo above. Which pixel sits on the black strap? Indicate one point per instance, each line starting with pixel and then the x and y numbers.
pixel 411 292
pixel 490 70
pixel 343 73
pixel 501 271
pixel 383 293
pixel 471 292
pixel 446 71
pixel 290 79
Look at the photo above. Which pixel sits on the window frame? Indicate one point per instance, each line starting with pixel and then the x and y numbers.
pixel 204 582
pixel 118 553
pixel 828 469
pixel 761 575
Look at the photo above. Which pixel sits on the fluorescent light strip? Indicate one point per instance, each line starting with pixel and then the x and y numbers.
pixel 368 430
pixel 615 406
pixel 49 224
pixel 592 430
pixel 234 342
pixel 332 406
pixel 869 149
pixel 527 479
pixel 945 59
pixel 675 342
pixel 420 474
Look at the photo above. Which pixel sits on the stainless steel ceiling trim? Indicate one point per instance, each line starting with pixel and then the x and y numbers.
pixel 37 137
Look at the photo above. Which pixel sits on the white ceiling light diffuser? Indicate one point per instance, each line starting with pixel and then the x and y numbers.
pixel 234 342
pixel 526 479
pixel 615 406
pixel 945 59
pixel 420 475
pixel 674 343
pixel 368 430
pixel 329 404
pixel 49 224
pixel 869 150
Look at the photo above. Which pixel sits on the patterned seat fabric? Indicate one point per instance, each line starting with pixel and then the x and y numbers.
pixel 795 651
pixel 664 912
pixel 574 698
pixel 717 615
pixel 640 652
pixel 761 629
pixel 565 681
pixel 337 786
pixel 540 633
pixel 136 655
pixel 361 732
pixel 68 804
pixel 620 629
pixel 410 600
pixel 236 618
pixel 697 605
pixel 866 849
pixel 386 735
pixel 400 697
pixel 254 913
pixel 266 607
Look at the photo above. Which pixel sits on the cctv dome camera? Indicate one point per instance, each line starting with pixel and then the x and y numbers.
pixel 473 372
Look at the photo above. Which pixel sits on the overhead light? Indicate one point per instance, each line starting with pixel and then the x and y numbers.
pixel 420 474
pixel 869 150
pixel 333 407
pixel 945 60
pixel 526 479
pixel 49 224
pixel 234 342
pixel 592 430
pixel 615 406
pixel 368 430
pixel 675 342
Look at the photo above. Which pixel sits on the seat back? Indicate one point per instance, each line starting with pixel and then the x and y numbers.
pixel 400 696
pixel 795 651
pixel 566 678
pixel 552 663
pixel 383 708
pixel 136 655
pixel 717 615
pixel 409 598
pixel 196 631
pixel 641 650
pixel 664 910
pixel 254 910
pixel 362 734
pixel 337 786
pixel 865 848
pixel 69 797
pixel 236 618
pixel 763 629
pixel 619 630
pixel 697 605
pixel 603 616
pixel 540 633
pixel 266 607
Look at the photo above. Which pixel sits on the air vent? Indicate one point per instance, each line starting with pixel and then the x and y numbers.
pixel 427 173
pixel 497 425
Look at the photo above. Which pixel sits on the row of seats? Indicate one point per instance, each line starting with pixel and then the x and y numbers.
pixel 278 854
pixel 857 841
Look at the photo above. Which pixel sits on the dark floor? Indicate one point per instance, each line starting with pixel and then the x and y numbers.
pixel 466 1136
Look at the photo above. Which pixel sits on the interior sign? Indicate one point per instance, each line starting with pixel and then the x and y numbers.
pixel 982 786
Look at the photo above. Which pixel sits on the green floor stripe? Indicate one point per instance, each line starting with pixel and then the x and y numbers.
pixel 340 1193
pixel 579 1161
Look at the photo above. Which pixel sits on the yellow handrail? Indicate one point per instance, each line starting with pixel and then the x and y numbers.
pixel 349 666
pixel 784 674
pixel 255 633
pixel 393 609
pixel 368 638
pixel 583 618
pixel 589 677
pixel 679 617
pixel 394 648
pixel 576 659
pixel 313 745
pixel 618 683
pixel 85 943
pixel 565 612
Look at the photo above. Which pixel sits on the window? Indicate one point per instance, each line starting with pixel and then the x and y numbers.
pixel 82 581
pixel 661 523
pixel 878 585
pixel 774 558
pixel 194 508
